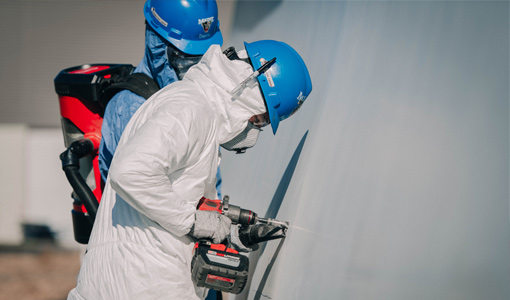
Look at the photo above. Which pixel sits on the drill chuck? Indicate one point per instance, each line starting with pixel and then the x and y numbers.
pixel 237 214
pixel 240 215
pixel 245 217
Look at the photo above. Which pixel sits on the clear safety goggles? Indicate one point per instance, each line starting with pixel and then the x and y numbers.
pixel 261 120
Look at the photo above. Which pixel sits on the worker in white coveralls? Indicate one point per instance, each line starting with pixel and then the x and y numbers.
pixel 147 223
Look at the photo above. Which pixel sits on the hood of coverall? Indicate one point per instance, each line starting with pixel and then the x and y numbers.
pixel 218 76
pixel 155 61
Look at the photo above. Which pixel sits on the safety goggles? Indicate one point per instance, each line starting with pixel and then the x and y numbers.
pixel 181 61
pixel 261 120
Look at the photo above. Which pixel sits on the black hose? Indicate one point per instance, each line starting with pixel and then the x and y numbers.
pixel 71 166
pixel 83 191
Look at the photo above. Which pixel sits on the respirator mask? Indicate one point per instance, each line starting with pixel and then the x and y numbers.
pixel 244 140
pixel 180 61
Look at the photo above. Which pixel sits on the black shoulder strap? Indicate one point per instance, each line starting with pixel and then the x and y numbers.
pixel 138 83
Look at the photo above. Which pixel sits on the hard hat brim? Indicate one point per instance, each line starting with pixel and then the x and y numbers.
pixel 273 117
pixel 196 47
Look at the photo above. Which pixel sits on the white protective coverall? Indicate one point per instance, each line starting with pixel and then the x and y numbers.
pixel 165 163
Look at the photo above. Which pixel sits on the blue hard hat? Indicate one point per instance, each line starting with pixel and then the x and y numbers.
pixel 286 84
pixel 191 26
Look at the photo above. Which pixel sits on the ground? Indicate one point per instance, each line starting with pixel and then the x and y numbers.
pixel 40 273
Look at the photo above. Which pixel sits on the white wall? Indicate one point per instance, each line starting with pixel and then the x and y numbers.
pixel 401 188
pixel 12 172
pixel 48 194
pixel 34 187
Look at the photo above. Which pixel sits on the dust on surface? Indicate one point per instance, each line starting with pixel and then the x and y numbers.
pixel 45 274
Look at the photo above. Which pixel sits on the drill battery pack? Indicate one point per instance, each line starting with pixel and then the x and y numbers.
pixel 217 267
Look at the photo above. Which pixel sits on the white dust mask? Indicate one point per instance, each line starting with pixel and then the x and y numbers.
pixel 244 140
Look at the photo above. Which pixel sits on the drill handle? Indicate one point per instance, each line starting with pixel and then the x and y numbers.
pixel 208 204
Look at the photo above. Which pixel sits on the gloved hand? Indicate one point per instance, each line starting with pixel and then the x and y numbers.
pixel 210 225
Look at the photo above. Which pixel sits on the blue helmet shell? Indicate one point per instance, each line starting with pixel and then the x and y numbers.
pixel 286 84
pixel 190 25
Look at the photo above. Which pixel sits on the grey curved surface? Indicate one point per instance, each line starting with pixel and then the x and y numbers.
pixel 401 189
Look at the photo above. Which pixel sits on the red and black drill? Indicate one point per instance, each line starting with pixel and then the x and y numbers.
pixel 215 266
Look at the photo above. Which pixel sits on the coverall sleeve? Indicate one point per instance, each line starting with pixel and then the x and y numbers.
pixel 145 166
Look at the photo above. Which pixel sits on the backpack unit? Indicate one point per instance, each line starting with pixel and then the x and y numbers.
pixel 83 92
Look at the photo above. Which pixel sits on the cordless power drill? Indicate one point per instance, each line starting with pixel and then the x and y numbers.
pixel 215 266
